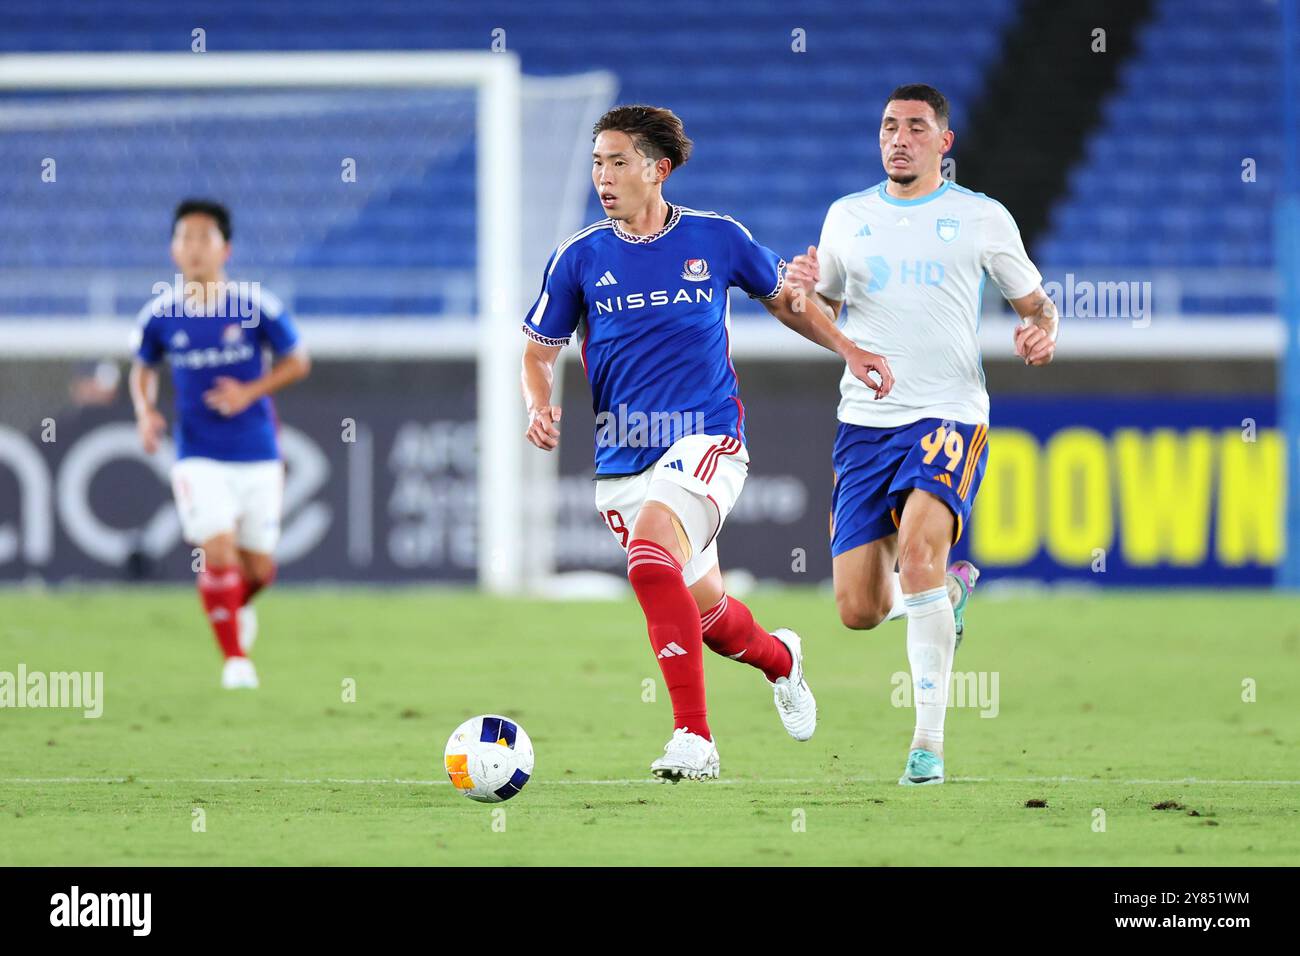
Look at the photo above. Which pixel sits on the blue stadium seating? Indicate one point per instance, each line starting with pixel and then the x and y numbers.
pixel 1161 184
pixel 775 145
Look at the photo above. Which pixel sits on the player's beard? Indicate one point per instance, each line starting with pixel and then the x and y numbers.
pixel 905 179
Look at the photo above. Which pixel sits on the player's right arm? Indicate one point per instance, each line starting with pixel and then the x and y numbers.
pixel 538 380
pixel 143 384
pixel 549 326
pixel 149 422
pixel 805 275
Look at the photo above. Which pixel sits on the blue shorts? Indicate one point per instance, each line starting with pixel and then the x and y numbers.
pixel 875 468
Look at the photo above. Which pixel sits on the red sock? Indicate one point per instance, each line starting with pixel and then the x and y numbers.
pixel 222 593
pixel 252 587
pixel 673 621
pixel 730 630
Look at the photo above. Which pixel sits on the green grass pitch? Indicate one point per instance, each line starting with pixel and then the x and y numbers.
pixel 1108 705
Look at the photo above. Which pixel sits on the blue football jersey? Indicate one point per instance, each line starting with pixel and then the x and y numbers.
pixel 203 348
pixel 653 317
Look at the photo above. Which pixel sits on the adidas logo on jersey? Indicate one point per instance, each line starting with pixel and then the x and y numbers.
pixel 864 231
pixel 672 649
pixel 607 279
pixel 676 465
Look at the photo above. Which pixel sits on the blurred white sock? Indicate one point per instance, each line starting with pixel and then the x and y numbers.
pixel 931 641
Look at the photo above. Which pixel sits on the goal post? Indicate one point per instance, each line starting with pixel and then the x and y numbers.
pixel 491 335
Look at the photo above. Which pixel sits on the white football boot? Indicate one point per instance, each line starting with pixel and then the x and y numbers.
pixel 687 756
pixel 238 673
pixel 246 621
pixel 793 697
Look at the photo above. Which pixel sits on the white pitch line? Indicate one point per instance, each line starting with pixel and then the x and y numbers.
pixel 640 781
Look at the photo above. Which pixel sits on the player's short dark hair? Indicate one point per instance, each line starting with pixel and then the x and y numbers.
pixel 218 213
pixel 656 132
pixel 924 93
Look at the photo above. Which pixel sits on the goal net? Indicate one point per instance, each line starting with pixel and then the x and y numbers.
pixel 402 205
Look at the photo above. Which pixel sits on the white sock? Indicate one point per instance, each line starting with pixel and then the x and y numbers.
pixel 931 641
pixel 900 603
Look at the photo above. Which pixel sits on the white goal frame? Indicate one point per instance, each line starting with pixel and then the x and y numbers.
pixel 496 78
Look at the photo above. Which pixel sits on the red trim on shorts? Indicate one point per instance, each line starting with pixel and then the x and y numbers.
pixel 728 450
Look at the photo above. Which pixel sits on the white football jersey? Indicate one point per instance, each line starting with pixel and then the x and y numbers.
pixel 910 273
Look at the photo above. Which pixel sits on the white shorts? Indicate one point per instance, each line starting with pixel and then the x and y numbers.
pixel 223 497
pixel 699 477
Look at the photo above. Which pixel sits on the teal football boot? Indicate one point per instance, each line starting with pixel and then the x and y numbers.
pixel 923 768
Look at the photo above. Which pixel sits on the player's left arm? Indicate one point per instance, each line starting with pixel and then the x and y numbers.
pixel 792 308
pixel 762 273
pixel 1035 337
pixel 1003 257
pixel 230 396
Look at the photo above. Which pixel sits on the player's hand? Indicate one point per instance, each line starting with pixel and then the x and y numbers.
pixel 150 426
pixel 543 427
pixel 804 271
pixel 228 396
pixel 1034 345
pixel 861 362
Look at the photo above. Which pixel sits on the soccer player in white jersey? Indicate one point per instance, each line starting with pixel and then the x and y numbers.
pixel 901 267
pixel 646 289
pixel 228 478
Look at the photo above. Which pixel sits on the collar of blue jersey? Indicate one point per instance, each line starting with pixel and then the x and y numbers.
pixel 674 214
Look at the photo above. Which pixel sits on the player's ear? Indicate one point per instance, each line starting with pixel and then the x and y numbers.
pixel 663 169
pixel 949 137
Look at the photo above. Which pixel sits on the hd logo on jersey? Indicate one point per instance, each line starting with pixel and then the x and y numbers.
pixel 947 229
pixel 696 270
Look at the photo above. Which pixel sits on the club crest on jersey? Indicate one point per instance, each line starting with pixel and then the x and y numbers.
pixel 696 270
pixel 231 334
pixel 947 229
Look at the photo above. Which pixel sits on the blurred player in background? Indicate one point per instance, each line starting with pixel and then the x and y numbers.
pixel 646 289
pixel 906 260
pixel 228 478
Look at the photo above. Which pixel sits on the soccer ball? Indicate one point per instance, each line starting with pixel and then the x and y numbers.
pixel 489 758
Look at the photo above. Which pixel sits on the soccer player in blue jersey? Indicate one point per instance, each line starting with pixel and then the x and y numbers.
pixel 646 290
pixel 906 261
pixel 228 479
